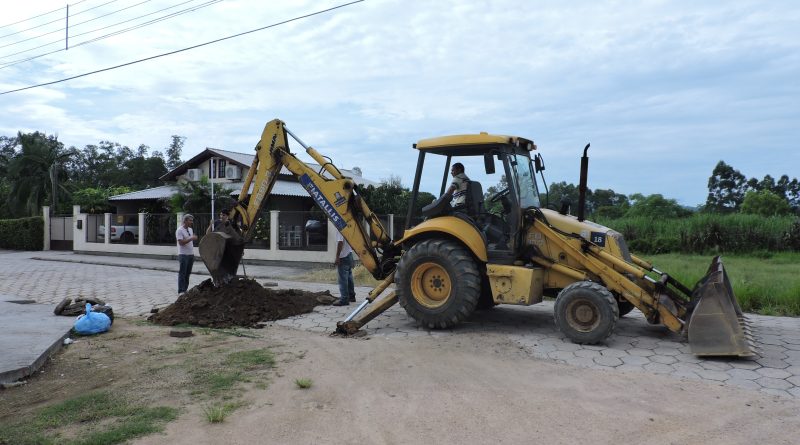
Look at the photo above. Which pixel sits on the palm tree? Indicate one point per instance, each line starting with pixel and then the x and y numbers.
pixel 34 172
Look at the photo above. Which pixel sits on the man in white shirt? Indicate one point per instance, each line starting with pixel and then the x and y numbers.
pixel 344 268
pixel 185 238
pixel 458 188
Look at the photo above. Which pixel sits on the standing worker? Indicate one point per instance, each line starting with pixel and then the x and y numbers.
pixel 186 238
pixel 344 269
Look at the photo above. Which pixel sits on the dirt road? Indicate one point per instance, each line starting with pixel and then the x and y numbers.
pixel 477 389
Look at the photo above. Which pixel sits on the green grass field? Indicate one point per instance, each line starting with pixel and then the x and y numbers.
pixel 767 284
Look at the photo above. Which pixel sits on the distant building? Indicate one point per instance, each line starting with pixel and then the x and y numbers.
pixel 230 170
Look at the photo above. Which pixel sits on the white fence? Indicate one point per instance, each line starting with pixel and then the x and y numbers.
pixel 285 243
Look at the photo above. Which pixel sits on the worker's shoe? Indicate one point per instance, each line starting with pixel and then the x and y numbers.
pixel 352 298
pixel 341 303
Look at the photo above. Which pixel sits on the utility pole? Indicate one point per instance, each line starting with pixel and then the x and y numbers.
pixel 213 174
pixel 66 37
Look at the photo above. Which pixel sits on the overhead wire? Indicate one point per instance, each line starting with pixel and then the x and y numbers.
pixel 40 15
pixel 60 18
pixel 294 19
pixel 140 25
pixel 64 28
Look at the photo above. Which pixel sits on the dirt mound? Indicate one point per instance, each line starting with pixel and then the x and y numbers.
pixel 243 302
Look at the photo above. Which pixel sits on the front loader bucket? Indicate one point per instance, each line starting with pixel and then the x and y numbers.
pixel 716 325
pixel 222 252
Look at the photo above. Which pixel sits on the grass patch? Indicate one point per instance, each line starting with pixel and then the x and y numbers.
pixel 98 418
pixel 303 383
pixel 361 276
pixel 218 413
pixel 256 358
pixel 764 284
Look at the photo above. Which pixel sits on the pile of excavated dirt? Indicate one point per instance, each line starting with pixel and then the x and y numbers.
pixel 243 302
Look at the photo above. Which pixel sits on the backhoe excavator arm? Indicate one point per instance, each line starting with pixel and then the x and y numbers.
pixel 335 195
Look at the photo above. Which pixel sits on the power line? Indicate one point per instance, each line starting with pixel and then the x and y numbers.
pixel 156 20
pixel 187 48
pixel 58 19
pixel 40 15
pixel 64 28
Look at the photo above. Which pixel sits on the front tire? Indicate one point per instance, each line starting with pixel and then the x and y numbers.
pixel 438 283
pixel 586 312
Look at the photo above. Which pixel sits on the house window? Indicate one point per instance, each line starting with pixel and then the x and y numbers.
pixel 220 165
pixel 221 168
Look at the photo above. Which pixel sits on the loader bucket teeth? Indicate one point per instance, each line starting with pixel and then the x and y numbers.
pixel 717 326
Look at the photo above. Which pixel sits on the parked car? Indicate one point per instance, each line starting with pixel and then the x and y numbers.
pixel 124 233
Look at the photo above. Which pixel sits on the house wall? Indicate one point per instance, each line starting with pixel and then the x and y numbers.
pixel 272 254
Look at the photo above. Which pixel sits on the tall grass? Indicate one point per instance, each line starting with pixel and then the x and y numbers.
pixel 709 233
pixel 768 284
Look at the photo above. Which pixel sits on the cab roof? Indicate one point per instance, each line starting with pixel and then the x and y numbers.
pixel 471 144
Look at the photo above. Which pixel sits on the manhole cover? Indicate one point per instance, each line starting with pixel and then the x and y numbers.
pixel 22 301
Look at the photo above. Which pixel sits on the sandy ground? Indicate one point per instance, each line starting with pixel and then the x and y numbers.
pixel 478 389
pixel 461 389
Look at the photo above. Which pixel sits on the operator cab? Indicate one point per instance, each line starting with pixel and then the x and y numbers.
pixel 500 165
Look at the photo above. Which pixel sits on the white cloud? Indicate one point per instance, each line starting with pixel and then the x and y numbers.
pixel 663 90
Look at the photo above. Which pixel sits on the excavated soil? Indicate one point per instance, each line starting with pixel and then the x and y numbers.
pixel 243 302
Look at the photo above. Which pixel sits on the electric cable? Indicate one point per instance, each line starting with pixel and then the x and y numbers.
pixel 65 28
pixel 186 48
pixel 59 19
pixel 40 15
pixel 187 10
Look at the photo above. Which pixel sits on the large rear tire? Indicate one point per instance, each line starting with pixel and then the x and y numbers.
pixel 586 312
pixel 438 283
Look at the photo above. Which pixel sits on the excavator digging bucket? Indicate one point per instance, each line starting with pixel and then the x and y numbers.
pixel 222 252
pixel 717 326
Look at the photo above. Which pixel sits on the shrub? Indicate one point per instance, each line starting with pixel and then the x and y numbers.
pixel 22 233
pixel 705 233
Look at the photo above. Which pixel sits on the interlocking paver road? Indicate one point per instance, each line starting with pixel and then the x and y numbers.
pixel 635 346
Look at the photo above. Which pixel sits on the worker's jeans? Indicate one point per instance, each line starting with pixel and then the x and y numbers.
pixel 346 283
pixel 186 262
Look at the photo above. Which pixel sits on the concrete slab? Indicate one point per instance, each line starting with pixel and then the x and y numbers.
pixel 31 333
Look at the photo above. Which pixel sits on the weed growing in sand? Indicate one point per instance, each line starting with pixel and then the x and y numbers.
pixel 256 358
pixel 303 383
pixel 88 419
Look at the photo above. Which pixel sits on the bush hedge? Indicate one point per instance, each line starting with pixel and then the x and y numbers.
pixel 705 233
pixel 22 234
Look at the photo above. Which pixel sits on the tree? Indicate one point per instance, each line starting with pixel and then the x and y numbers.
pixel 608 203
pixel 95 200
pixel 36 172
pixel 195 197
pixel 726 189
pixel 765 203
pixel 561 193
pixel 174 151
pixel 655 206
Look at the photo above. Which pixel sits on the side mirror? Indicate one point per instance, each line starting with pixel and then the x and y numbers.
pixel 538 163
pixel 488 163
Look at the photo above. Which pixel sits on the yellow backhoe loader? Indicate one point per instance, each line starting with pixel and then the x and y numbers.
pixel 456 260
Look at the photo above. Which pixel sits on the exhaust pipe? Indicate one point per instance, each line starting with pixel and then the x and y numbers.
pixel 582 186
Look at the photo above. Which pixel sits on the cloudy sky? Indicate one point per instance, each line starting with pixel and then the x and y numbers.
pixel 663 90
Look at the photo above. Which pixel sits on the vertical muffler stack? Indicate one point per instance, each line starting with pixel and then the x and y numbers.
pixel 716 325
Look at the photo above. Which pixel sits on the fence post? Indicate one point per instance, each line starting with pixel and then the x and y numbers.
pixel 273 229
pixel 391 225
pixel 141 229
pixel 76 216
pixel 46 218
pixel 107 228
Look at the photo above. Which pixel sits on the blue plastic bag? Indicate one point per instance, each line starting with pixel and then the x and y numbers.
pixel 92 322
